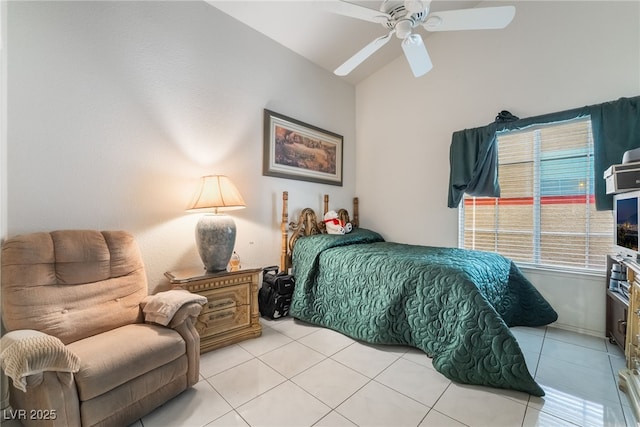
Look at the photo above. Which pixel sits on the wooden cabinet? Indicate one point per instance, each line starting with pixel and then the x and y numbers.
pixel 617 311
pixel 630 377
pixel 617 307
pixel 231 312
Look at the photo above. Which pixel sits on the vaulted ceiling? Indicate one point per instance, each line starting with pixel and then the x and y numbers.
pixel 325 38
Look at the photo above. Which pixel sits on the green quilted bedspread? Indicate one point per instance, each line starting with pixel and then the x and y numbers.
pixel 456 305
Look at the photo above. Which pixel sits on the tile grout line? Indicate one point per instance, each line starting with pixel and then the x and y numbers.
pixel 528 404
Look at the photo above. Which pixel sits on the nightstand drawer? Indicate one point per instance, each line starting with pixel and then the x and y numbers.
pixel 225 298
pixel 224 320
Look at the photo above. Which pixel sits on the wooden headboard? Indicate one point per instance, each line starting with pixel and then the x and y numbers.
pixel 308 224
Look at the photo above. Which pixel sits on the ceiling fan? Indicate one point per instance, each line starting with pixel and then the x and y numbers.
pixel 401 17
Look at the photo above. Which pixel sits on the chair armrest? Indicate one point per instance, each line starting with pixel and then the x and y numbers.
pixel 189 310
pixel 163 306
pixel 28 352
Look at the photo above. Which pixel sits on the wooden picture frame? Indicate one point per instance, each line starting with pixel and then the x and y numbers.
pixel 297 150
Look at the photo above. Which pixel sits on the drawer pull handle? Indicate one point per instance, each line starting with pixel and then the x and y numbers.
pixel 217 317
pixel 622 326
pixel 225 315
pixel 221 304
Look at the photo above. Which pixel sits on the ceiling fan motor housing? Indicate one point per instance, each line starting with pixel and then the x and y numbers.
pixel 401 19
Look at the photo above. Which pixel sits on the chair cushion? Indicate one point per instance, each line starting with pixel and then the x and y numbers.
pixel 72 283
pixel 112 358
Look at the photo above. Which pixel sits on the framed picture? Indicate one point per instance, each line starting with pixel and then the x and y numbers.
pixel 296 150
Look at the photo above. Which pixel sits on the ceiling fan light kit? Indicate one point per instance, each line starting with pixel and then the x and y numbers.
pixel 401 17
pixel 403 28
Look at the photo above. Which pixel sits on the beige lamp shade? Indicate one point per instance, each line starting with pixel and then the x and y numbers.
pixel 217 193
pixel 215 233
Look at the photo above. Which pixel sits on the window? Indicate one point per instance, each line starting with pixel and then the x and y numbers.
pixel 546 214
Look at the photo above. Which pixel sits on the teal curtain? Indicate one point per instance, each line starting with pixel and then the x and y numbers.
pixel 616 129
pixel 473 157
pixel 473 154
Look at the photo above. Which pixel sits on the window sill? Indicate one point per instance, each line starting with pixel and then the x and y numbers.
pixel 573 272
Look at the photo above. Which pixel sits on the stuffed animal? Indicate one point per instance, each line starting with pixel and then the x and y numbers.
pixel 334 225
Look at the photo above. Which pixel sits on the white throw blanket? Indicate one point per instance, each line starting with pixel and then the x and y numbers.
pixel 26 352
pixel 161 307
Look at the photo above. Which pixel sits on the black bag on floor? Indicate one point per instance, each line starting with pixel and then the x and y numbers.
pixel 274 297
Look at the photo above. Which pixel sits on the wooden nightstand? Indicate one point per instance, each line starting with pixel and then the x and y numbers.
pixel 231 313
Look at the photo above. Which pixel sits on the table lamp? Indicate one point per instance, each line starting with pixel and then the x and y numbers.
pixel 216 232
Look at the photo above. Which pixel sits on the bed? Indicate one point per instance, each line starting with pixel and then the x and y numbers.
pixel 456 305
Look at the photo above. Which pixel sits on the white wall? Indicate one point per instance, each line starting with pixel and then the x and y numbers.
pixel 554 56
pixel 3 121
pixel 4 384
pixel 115 109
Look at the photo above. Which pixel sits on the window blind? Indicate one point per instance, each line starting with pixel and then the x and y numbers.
pixel 546 213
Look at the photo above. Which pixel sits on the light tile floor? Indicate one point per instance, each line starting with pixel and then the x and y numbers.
pixel 297 374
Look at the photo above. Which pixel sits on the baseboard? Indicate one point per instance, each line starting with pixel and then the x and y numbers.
pixel 596 334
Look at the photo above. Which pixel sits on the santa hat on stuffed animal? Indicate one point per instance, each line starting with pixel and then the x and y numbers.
pixel 334 225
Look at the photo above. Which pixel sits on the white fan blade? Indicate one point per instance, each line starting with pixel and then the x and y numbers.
pixel 361 55
pixel 485 18
pixel 354 11
pixel 417 55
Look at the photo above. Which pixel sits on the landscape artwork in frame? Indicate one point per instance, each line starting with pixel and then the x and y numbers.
pixel 296 150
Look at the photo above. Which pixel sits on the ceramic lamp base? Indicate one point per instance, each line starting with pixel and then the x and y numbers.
pixel 215 239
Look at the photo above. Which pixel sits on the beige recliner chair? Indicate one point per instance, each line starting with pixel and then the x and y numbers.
pixel 86 345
